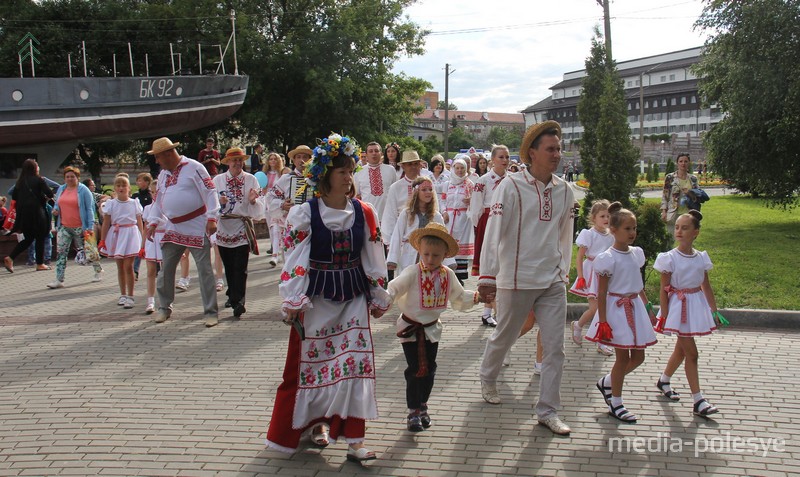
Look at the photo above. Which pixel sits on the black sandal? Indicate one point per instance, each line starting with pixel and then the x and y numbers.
pixel 602 389
pixel 707 411
pixel 671 394
pixel 622 414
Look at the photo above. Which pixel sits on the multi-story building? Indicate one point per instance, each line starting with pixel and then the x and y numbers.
pixel 671 104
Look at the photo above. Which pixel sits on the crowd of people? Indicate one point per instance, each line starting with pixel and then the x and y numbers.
pixel 357 233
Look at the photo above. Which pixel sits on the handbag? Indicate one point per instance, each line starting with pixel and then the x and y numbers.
pixel 92 254
pixel 11 218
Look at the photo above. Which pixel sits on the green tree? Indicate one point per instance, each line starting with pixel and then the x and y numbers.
pixel 607 155
pixel 442 104
pixel 433 144
pixel 751 70
pixel 499 135
pixel 460 139
pixel 669 166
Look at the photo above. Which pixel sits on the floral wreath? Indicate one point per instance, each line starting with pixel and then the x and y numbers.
pixel 327 149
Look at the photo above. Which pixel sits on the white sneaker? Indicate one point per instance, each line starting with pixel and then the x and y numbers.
pixel 577 333
pixel 181 284
pixel 55 284
pixel 220 284
pixel 150 309
pixel 122 300
pixel 605 350
pixel 128 303
pixel 272 262
pixel 537 369
pixel 97 276
pixel 489 393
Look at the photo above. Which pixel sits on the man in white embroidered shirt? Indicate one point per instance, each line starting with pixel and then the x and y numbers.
pixel 525 260
pixel 186 203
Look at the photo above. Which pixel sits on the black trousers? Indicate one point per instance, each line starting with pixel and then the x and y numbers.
pixel 30 235
pixel 418 390
pixel 235 260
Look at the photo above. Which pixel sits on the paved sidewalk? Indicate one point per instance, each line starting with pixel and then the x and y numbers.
pixel 87 388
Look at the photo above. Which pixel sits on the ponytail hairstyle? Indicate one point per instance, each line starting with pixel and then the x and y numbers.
pixel 618 213
pixel 413 202
pixel 696 218
pixel 598 206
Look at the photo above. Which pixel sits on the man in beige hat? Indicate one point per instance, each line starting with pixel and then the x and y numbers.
pixel 238 192
pixel 525 261
pixel 280 197
pixel 399 192
pixel 187 203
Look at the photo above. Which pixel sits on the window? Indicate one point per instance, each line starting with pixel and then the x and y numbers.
pixel 636 131
pixel 664 103
pixel 675 115
pixel 630 106
pixel 662 129
pixel 672 77
pixel 646 104
pixel 630 83
pixel 681 128
pixel 703 126
pixel 555 95
pixel 648 117
pixel 686 114
pixel 692 127
pixel 637 104
pixel 683 99
pixel 637 82
pixel 673 102
pixel 574 92
pixel 694 99
pixel 672 129
pixel 663 79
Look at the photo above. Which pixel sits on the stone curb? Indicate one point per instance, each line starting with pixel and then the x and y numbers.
pixel 739 317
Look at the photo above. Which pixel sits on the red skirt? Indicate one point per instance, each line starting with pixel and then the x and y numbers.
pixel 280 434
pixel 480 230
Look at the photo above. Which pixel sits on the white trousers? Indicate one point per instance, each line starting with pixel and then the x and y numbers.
pixel 550 307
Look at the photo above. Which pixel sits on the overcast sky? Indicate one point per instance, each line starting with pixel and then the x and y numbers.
pixel 505 54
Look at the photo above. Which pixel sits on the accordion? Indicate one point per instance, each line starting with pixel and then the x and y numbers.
pixel 298 190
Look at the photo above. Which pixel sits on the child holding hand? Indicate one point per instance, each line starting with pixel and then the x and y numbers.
pixel 622 309
pixel 421 292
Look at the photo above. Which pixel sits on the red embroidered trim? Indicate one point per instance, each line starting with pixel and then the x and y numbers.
pixel 182 239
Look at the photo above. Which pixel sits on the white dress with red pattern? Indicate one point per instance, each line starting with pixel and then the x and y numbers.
pixel 124 237
pixel 689 312
pixel 625 311
pixel 335 272
pixel 595 243
pixel 231 231
pixel 457 210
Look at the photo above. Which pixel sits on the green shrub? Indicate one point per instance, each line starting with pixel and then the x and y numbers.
pixel 651 235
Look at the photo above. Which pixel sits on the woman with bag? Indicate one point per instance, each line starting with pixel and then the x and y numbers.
pixel 31 193
pixel 74 213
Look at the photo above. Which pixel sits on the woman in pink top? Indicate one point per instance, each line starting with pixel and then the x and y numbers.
pixel 74 213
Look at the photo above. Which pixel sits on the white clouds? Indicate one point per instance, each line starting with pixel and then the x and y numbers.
pixel 507 53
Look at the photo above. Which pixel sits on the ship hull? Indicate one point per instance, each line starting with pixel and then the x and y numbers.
pixel 51 110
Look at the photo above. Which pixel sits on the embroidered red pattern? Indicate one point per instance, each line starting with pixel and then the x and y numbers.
pixel 172 178
pixel 182 239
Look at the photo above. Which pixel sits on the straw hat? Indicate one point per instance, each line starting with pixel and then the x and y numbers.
pixel 410 156
pixel 162 144
pixel 436 230
pixel 233 153
pixel 532 133
pixel 299 149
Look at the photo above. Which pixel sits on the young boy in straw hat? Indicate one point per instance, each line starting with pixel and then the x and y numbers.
pixel 421 293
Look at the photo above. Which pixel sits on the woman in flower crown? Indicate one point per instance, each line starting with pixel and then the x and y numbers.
pixel 333 279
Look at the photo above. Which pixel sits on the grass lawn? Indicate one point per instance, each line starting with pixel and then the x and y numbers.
pixel 754 249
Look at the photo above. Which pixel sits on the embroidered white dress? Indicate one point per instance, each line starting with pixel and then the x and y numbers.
pixel 625 312
pixel 401 252
pixel 422 295
pixel 457 210
pixel 440 185
pixel 231 231
pixel 396 200
pixel 334 365
pixel 152 248
pixel 124 237
pixel 595 243
pixel 689 312
pixel 188 191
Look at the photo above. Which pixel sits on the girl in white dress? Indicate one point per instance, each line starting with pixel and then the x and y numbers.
pixel 420 210
pixel 591 242
pixel 274 168
pixel 152 252
pixel 688 307
pixel 622 309
pixel 122 236
pixel 456 218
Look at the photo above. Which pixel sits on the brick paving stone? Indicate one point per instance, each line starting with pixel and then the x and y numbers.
pixel 88 388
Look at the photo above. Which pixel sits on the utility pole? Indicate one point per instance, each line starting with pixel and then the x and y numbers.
pixel 607 29
pixel 447 74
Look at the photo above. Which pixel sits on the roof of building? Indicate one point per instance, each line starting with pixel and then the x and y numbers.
pixel 474 116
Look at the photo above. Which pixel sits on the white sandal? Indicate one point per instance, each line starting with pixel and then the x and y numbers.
pixel 320 439
pixel 360 455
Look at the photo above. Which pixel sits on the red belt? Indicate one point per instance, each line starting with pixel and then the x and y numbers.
pixel 626 301
pixel 681 292
pixel 418 330
pixel 189 216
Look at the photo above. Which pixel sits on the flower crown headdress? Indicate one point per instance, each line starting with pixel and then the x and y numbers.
pixel 327 149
